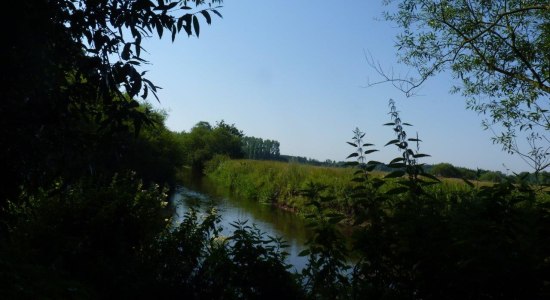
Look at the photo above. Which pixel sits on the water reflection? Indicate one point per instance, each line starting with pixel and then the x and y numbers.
pixel 269 219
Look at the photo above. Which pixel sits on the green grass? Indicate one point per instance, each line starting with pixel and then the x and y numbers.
pixel 279 183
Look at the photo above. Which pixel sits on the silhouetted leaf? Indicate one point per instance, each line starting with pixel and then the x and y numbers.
pixel 370 151
pixel 206 16
pixel 196 25
pixel 187 25
pixel 355 154
pixel 335 219
pixel 395 174
pixel 397 165
pixel 468 182
pixel 397 159
pixel 370 168
pixel 406 183
pixel 180 23
pixel 392 142
pixel 174 32
pixel 217 13
pixel 159 27
pixel 397 191
pixel 126 51
pixel 170 6
pixel 427 175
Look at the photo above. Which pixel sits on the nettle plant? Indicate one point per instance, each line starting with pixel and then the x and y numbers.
pixel 408 164
pixel 407 175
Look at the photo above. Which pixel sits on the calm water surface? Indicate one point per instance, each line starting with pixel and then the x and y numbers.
pixel 268 219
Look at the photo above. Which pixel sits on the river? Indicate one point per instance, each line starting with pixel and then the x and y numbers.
pixel 269 219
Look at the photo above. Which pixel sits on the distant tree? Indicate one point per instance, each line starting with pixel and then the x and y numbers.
pixel 205 141
pixel 258 148
pixel 498 49
pixel 467 173
pixel 229 128
pixel 492 176
pixel 445 170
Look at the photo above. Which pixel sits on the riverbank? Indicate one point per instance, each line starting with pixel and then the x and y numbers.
pixel 282 184
pixel 279 183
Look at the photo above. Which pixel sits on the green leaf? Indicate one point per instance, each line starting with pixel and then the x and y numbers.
pixel 159 27
pixel 419 155
pixel 368 145
pixel 206 16
pixel 406 183
pixel 187 26
pixel 392 142
pixel 217 13
pixel 305 252
pixel 427 175
pixel 370 151
pixel 377 182
pixel 126 51
pixel 369 168
pixel 468 182
pixel 180 23
pixel 397 159
pixel 397 165
pixel 170 6
pixel 355 154
pixel 196 25
pixel 389 124
pixel 406 124
pixel 397 191
pixel 395 174
pixel 137 44
pixel 360 195
pixel 354 145
pixel 336 219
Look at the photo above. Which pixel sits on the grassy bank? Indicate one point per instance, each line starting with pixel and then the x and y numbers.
pixel 282 183
pixel 279 183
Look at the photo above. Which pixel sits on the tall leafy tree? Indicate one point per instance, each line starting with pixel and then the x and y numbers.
pixel 258 148
pixel 204 141
pixel 497 49
pixel 71 72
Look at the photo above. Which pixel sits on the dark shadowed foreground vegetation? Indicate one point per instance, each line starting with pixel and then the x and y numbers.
pixel 413 238
pixel 87 170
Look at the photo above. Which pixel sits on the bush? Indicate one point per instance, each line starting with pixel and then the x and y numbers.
pixel 90 231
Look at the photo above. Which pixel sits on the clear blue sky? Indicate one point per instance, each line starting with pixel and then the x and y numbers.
pixel 295 71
